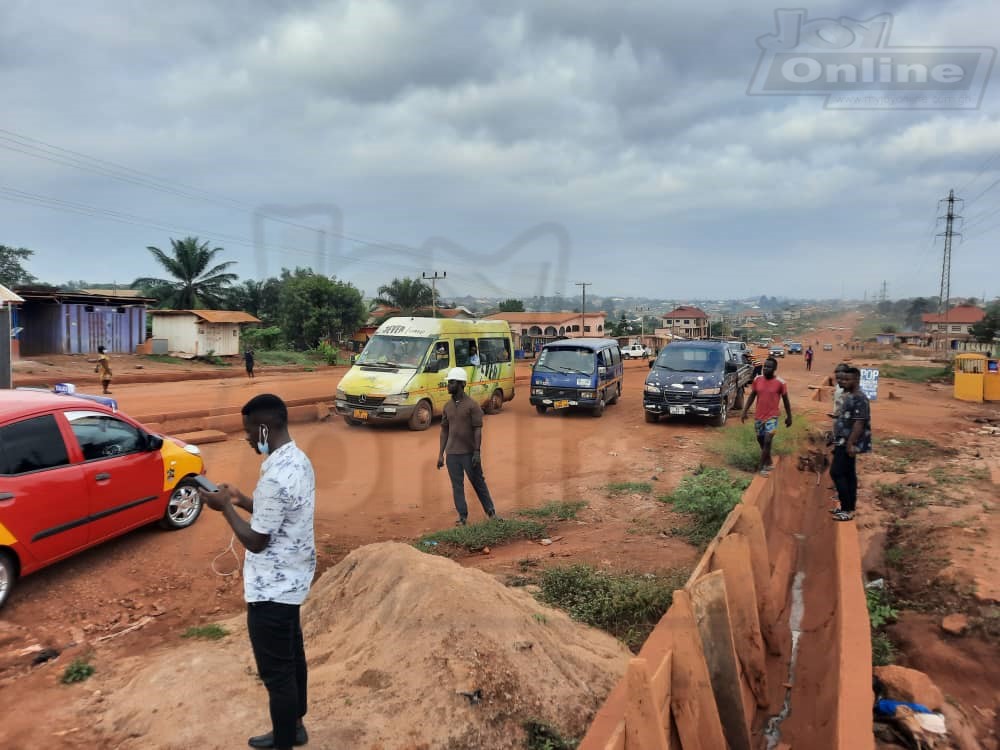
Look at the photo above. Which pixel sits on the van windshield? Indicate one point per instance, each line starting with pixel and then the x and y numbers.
pixel 563 359
pixel 394 351
pixel 689 359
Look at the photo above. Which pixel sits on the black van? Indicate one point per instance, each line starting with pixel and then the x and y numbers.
pixel 694 377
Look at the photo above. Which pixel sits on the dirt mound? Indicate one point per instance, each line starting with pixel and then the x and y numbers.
pixel 405 650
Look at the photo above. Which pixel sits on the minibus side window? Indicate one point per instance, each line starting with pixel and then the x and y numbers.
pixel 463 349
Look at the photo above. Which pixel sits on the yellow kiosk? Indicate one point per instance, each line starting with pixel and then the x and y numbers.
pixel 977 378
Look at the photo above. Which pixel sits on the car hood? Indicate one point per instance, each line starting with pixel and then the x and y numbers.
pixel 561 379
pixel 690 381
pixel 376 383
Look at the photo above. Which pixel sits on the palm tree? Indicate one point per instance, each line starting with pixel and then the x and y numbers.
pixel 408 295
pixel 193 283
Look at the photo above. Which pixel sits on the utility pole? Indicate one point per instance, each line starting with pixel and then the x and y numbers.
pixel 433 278
pixel 883 295
pixel 583 307
pixel 642 323
pixel 944 298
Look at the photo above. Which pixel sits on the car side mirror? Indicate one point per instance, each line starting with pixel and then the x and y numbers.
pixel 731 367
pixel 602 370
pixel 651 363
pixel 153 442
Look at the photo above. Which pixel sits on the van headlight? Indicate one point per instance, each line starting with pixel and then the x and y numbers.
pixel 587 394
pixel 537 391
pixel 709 391
pixel 651 388
pixel 396 399
pixel 341 396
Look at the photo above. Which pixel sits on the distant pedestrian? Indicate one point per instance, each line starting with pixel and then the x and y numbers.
pixel 769 391
pixel 461 441
pixel 249 362
pixel 852 434
pixel 104 367
pixel 809 359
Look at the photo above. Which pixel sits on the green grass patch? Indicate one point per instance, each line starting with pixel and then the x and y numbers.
pixel 627 605
pixel 541 736
pixel 706 497
pixel 616 489
pixel 883 650
pixel 166 359
pixel 78 670
pixel 476 536
pixel 915 373
pixel 737 445
pixel 206 632
pixel 555 511
pixel 279 357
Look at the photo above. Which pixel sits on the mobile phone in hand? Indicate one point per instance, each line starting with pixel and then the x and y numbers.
pixel 205 484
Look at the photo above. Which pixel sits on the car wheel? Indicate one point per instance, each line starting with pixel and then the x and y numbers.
pixel 720 421
pixel 495 404
pixel 422 417
pixel 8 576
pixel 618 393
pixel 651 418
pixel 183 506
pixel 598 411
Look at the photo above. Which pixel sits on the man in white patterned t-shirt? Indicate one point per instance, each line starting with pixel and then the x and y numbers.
pixel 279 564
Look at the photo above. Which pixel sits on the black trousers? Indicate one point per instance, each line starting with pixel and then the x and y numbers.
pixel 460 464
pixel 844 474
pixel 276 638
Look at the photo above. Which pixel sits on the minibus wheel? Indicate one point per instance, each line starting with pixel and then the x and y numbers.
pixel 495 404
pixel 421 417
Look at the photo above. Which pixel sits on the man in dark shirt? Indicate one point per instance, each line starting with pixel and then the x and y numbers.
pixel 461 438
pixel 852 433
pixel 248 361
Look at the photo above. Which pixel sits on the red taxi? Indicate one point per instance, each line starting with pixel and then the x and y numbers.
pixel 75 473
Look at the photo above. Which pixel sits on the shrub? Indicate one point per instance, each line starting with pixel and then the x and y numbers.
pixel 706 497
pixel 489 533
pixel 626 605
pixel 556 511
pixel 628 488
pixel 739 449
pixel 79 670
pixel 262 338
pixel 206 632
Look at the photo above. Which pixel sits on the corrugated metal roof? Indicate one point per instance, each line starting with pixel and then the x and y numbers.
pixel 6 295
pixel 213 316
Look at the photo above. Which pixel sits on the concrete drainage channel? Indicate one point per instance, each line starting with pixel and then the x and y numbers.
pixel 767 645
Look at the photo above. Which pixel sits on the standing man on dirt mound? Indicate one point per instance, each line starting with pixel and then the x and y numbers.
pixel 279 565
pixel 461 439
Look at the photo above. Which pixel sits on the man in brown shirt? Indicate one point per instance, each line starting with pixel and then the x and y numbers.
pixel 461 438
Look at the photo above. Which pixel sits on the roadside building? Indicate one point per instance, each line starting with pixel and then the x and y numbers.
pixel 199 332
pixel 55 322
pixel 952 327
pixel 532 330
pixel 687 322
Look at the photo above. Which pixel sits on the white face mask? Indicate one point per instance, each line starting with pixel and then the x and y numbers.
pixel 262 447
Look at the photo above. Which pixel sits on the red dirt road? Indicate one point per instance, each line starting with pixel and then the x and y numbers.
pixel 373 485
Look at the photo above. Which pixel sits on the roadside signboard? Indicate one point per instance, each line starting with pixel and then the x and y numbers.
pixel 869 383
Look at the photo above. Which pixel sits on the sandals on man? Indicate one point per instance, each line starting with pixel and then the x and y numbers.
pixel 843 515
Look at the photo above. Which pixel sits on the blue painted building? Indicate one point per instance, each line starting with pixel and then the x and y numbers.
pixel 54 322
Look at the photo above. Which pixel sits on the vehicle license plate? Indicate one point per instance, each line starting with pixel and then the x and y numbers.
pixel 360 414
pixel 560 404
pixel 678 410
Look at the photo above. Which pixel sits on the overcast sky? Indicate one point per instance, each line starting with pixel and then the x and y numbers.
pixel 520 146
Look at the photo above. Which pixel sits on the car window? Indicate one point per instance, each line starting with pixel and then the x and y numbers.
pixel 494 350
pixel 464 349
pixel 31 445
pixel 103 436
